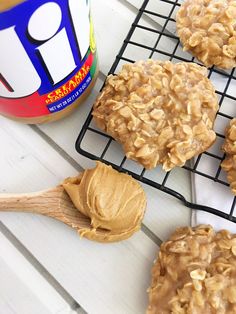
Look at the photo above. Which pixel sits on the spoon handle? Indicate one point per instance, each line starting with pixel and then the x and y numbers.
pixel 44 202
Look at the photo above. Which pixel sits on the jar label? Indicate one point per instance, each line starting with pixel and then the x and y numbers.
pixel 47 56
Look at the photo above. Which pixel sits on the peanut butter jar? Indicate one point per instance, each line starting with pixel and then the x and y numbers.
pixel 48 60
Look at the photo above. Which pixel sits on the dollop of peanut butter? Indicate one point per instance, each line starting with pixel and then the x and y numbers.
pixel 114 202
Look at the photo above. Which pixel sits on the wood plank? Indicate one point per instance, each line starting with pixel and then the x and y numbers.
pixel 112 21
pixel 22 288
pixel 102 278
pixel 24 157
pixel 87 270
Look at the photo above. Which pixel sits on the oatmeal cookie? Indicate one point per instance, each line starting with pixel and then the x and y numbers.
pixel 195 273
pixel 162 113
pixel 229 147
pixel 207 28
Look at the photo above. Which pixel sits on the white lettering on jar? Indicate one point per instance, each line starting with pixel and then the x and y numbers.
pixel 15 53
pixel 79 11
pixel 56 53
pixel 45 21
pixel 18 76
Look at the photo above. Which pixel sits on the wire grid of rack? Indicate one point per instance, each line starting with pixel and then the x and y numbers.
pixel 153 35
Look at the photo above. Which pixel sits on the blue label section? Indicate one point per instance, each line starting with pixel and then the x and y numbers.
pixel 60 105
pixel 19 16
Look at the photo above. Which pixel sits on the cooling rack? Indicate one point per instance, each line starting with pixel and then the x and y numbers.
pixel 153 35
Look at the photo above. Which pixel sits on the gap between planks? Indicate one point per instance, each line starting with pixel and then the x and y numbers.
pixel 74 305
pixel 57 148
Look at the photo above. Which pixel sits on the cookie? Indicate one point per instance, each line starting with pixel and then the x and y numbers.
pixel 195 273
pixel 229 147
pixel 207 29
pixel 161 112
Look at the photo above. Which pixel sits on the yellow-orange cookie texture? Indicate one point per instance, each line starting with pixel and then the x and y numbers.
pixel 207 29
pixel 195 273
pixel 229 147
pixel 161 112
pixel 114 202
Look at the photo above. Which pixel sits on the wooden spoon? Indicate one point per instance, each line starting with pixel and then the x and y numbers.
pixel 54 203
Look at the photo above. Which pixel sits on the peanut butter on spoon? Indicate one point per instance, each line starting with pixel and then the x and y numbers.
pixel 113 201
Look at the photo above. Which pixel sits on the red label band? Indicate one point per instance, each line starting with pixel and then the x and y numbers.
pixel 35 105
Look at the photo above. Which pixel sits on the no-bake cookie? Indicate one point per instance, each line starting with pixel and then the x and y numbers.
pixel 161 112
pixel 207 28
pixel 114 202
pixel 229 147
pixel 195 273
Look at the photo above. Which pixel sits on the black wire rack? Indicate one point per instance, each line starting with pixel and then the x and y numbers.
pixel 153 35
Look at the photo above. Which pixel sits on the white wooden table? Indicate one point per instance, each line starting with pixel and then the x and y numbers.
pixel 44 266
